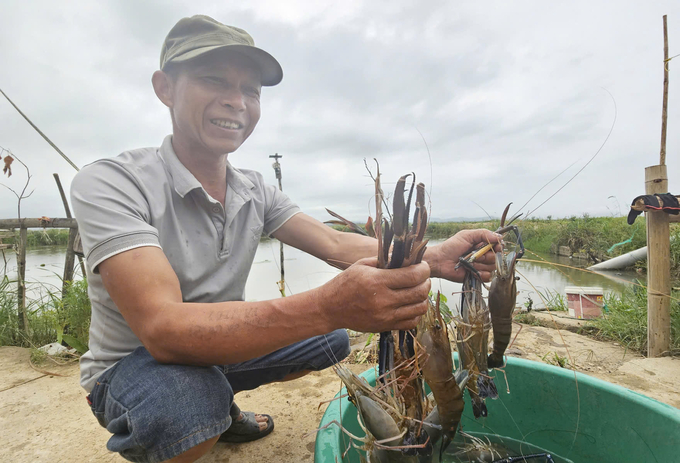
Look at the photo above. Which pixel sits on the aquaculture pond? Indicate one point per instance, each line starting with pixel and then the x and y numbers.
pixel 538 273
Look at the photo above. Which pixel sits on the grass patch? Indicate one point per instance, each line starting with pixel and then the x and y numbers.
pixel 444 230
pixel 541 243
pixel 554 300
pixel 625 320
pixel 50 318
pixel 553 358
pixel 527 319
pixel 674 254
pixel 595 236
pixel 38 356
pixel 599 238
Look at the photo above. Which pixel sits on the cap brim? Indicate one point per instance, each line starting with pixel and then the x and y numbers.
pixel 271 72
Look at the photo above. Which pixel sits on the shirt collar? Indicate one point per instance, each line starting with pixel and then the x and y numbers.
pixel 184 181
pixel 237 181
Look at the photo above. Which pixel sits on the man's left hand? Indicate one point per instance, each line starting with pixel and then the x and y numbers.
pixel 444 257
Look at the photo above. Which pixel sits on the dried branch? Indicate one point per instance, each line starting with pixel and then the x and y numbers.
pixel 8 171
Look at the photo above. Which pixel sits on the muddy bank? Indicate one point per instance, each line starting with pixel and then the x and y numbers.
pixel 45 418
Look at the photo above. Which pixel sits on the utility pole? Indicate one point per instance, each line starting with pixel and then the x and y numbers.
pixel 277 171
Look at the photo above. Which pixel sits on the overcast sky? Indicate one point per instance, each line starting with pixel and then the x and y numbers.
pixel 506 95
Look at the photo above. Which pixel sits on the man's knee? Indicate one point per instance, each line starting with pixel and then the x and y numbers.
pixel 159 411
pixel 186 404
pixel 338 345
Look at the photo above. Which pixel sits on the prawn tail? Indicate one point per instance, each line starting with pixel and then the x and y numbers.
pixel 446 440
pixel 486 387
pixel 479 408
pixel 495 361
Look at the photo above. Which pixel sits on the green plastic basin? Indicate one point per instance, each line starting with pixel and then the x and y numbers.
pixel 574 416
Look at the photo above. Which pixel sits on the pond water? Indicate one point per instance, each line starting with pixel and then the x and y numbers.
pixel 44 269
pixel 538 273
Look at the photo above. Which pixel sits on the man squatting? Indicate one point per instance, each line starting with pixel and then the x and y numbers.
pixel 170 234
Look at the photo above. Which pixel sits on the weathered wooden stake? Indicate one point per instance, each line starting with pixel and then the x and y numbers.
pixel 277 171
pixel 21 284
pixel 70 260
pixel 658 239
pixel 658 268
pixel 664 108
pixel 71 241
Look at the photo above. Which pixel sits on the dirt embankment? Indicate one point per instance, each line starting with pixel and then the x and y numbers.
pixel 45 418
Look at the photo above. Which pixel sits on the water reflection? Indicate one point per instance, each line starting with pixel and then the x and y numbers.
pixel 542 272
pixel 45 266
pixel 305 272
pixel 44 269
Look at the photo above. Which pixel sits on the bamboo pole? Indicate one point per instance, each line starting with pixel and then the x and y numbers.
pixel 658 239
pixel 664 109
pixel 40 132
pixel 21 283
pixel 658 268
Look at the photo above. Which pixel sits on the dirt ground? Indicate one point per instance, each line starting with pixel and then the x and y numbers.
pixel 45 418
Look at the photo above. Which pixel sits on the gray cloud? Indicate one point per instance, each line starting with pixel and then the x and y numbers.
pixel 506 95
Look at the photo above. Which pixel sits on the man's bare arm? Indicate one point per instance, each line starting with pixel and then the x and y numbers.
pixel 343 249
pixel 336 248
pixel 146 290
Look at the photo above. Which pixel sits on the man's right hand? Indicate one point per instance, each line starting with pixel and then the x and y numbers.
pixel 365 298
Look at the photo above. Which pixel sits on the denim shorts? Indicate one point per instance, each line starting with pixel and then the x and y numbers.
pixel 157 411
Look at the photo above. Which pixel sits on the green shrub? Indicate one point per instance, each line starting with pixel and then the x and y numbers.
pixel 45 237
pixel 41 323
pixel 595 236
pixel 50 318
pixel 625 319
pixel 443 230
pixel 538 238
pixel 675 251
pixel 554 300
pixel 9 319
pixel 527 319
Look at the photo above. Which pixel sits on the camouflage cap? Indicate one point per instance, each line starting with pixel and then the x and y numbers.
pixel 194 36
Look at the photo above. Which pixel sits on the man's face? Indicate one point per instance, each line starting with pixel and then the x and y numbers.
pixel 215 103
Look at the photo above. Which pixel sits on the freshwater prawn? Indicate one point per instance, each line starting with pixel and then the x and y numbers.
pixel 472 329
pixel 503 295
pixel 437 370
pixel 423 353
pixel 472 333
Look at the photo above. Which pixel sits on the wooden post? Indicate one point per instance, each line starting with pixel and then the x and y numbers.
pixel 277 172
pixel 71 241
pixel 21 285
pixel 658 239
pixel 658 268
pixel 70 260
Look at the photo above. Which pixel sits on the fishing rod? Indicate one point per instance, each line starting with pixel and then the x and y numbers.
pixel 41 133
